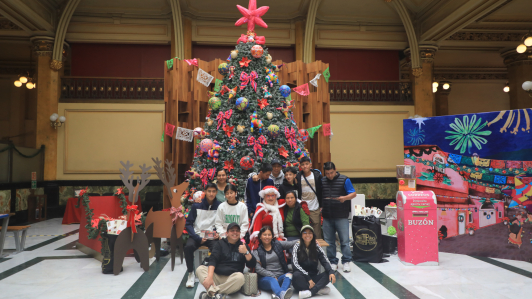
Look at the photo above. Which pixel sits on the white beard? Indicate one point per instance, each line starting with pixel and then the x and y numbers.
pixel 277 221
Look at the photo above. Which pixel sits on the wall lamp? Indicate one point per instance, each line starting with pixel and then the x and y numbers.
pixel 527 86
pixel 56 120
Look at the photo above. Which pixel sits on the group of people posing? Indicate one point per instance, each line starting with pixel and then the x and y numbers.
pixel 275 229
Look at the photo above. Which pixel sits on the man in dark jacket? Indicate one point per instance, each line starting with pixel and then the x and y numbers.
pixel 253 188
pixel 224 275
pixel 309 185
pixel 337 194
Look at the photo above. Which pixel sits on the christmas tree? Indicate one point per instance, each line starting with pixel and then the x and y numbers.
pixel 249 122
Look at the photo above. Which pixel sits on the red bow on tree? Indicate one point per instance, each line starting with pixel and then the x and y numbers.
pixel 131 212
pixel 291 137
pixel 245 78
pixel 204 175
pixel 222 117
pixel 256 143
pixel 260 40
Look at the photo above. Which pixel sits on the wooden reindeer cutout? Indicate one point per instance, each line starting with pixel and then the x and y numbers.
pixel 167 224
pixel 131 238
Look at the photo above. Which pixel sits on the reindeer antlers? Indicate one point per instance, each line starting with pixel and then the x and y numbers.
pixel 168 177
pixel 142 181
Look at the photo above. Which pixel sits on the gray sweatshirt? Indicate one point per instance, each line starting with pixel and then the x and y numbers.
pixel 273 266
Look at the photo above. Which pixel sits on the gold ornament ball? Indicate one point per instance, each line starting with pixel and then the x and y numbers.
pixel 234 54
pixel 240 129
pixel 210 122
pixel 269 115
pixel 269 59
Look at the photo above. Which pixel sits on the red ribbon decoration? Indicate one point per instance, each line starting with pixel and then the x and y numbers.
pixel 291 137
pixel 192 61
pixel 221 118
pixel 245 78
pixel 256 143
pixel 132 211
pixel 175 213
pixel 260 40
pixel 204 177
pixel 211 173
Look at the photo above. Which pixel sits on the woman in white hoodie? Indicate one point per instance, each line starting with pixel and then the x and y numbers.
pixel 230 211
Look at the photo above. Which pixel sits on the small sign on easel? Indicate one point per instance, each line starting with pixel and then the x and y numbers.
pixel 34 180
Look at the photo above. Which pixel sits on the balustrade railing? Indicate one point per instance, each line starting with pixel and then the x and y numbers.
pixel 360 91
pixel 112 88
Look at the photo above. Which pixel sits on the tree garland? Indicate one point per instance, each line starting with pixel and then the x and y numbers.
pixel 123 203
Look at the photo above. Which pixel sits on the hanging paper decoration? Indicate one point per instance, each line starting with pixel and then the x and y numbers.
pixel 170 63
pixel 326 75
pixel 162 138
pixel 326 129
pixel 169 129
pixel 315 80
pixel 313 130
pixel 192 61
pixel 263 103
pixel 204 77
pixel 184 134
pixel 244 62
pixel 229 165
pixel 283 152
pixel 302 90
pixel 245 78
pixel 217 85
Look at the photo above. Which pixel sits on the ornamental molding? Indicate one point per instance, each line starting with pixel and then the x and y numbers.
pixel 56 64
pixel 466 76
pixel 487 37
pixel 8 25
pixel 417 72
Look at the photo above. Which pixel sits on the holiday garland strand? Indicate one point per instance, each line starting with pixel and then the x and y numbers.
pixel 20 153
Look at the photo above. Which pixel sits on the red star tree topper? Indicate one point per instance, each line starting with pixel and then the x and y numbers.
pixel 252 15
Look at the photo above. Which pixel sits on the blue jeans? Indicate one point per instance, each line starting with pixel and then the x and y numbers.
pixel 331 226
pixel 276 286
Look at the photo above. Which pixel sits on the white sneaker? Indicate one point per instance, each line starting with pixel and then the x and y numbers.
pixel 305 294
pixel 334 267
pixel 324 291
pixel 190 280
pixel 347 267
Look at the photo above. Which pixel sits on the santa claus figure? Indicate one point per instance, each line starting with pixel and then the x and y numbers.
pixel 269 212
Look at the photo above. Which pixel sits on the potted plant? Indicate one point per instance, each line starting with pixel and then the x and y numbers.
pixel 506 220
pixel 440 236
pixel 471 227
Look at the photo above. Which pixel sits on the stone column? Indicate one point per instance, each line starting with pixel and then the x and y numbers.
pixel 442 99
pixel 422 82
pixel 48 92
pixel 519 70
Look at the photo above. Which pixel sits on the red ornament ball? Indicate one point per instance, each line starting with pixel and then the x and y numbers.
pixel 303 135
pixel 206 145
pixel 257 51
pixel 246 163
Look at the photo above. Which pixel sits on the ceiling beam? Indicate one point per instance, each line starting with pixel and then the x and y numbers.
pixel 29 16
pixel 16 18
pixel 464 15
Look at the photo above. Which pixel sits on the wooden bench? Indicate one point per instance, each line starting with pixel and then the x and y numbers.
pixel 20 240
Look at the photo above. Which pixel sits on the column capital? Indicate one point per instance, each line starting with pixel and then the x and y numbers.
pixel 44 46
pixel 512 58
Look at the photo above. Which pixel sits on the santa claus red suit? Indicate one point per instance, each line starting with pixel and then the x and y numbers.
pixel 267 214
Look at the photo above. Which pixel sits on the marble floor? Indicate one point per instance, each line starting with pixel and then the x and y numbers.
pixel 51 267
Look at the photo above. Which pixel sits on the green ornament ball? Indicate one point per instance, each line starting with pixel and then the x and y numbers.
pixel 215 103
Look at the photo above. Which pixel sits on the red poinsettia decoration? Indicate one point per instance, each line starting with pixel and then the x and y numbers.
pixel 83 191
pixel 119 191
pixel 283 152
pixel 244 62
pixel 229 165
pixel 263 103
pixel 228 130
pixel 438 177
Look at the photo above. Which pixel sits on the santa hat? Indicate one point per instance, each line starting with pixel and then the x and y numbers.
pixel 269 190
